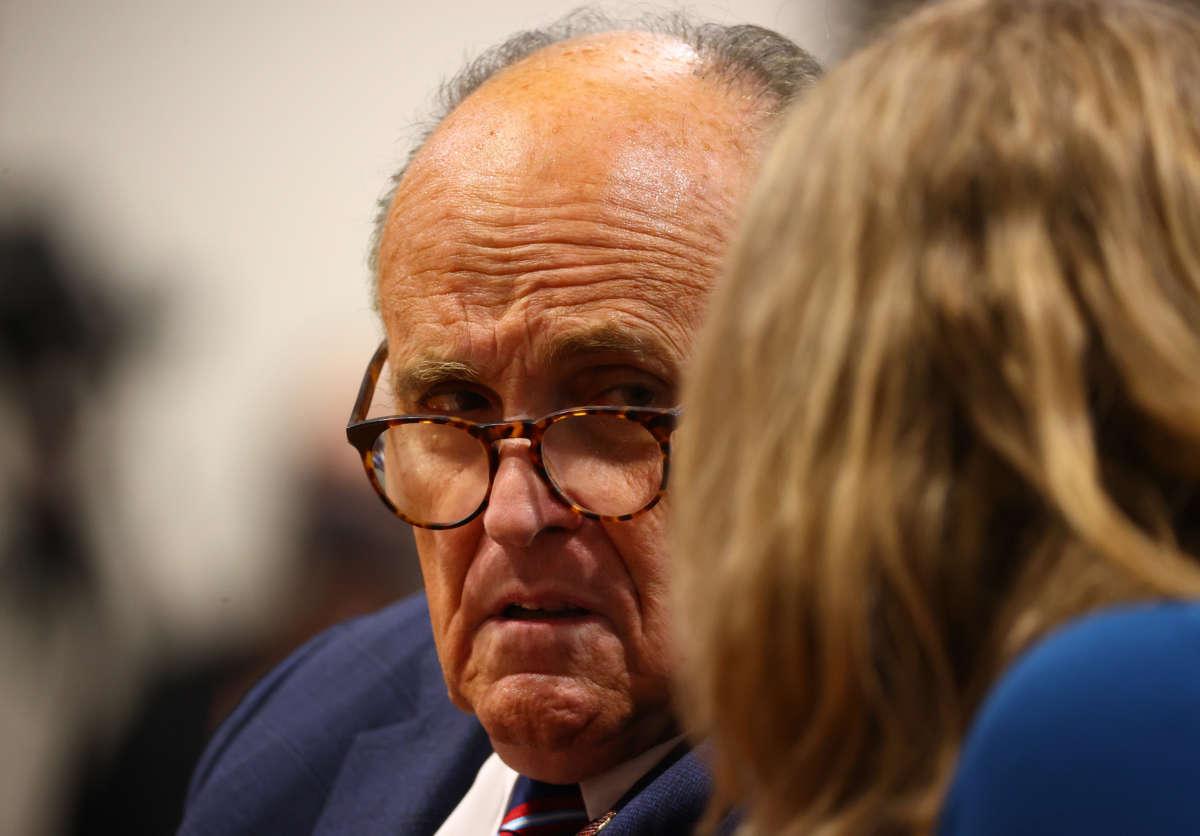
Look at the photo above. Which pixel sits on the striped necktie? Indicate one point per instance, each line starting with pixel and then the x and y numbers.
pixel 539 809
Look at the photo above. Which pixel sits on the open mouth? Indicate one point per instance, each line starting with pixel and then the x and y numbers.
pixel 548 612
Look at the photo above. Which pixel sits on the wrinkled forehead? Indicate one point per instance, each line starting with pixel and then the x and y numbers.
pixel 569 304
pixel 593 183
pixel 623 117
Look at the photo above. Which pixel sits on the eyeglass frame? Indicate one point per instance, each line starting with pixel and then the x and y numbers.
pixel 362 433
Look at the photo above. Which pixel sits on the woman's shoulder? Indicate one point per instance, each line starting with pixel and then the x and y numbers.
pixel 1096 729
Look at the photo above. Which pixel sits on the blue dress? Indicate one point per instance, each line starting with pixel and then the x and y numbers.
pixel 1095 730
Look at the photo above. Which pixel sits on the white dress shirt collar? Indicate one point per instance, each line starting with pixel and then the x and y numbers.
pixel 601 792
pixel 482 808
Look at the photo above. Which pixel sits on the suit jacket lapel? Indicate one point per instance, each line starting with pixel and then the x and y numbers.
pixel 670 803
pixel 406 778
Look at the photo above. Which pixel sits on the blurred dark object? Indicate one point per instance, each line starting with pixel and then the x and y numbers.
pixel 50 322
pixel 352 556
pixel 65 337
pixel 61 338
pixel 139 787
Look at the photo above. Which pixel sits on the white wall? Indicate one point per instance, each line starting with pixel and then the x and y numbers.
pixel 229 155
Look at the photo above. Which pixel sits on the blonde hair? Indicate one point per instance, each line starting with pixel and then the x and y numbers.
pixel 948 398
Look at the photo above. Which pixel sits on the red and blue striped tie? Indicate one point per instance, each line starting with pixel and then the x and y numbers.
pixel 539 809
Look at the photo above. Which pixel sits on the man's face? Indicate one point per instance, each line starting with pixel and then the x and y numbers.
pixel 552 246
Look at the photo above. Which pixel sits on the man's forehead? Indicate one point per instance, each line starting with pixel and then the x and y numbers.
pixel 562 86
pixel 598 105
pixel 596 181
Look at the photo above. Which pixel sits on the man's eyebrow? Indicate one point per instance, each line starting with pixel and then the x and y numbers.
pixel 427 372
pixel 608 338
pixel 601 339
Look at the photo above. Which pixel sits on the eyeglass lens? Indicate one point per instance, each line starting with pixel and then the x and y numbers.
pixel 438 473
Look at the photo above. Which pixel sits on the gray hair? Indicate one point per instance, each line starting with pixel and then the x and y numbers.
pixel 738 55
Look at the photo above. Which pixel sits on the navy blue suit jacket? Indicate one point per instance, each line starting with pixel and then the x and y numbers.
pixel 354 733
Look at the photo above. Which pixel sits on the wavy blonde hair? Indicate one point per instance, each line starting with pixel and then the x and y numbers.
pixel 948 398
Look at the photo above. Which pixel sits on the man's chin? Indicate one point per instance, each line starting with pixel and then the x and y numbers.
pixel 556 728
pixel 566 766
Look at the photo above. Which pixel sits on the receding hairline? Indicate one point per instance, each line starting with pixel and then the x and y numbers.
pixel 581 42
pixel 645 81
pixel 743 56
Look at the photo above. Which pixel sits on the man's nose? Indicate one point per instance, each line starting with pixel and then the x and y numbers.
pixel 521 504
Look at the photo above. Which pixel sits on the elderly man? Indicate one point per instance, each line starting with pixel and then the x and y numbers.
pixel 542 265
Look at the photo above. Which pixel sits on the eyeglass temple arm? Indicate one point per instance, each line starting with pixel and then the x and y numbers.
pixel 363 402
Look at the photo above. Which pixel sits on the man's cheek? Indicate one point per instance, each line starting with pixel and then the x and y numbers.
pixel 642 547
pixel 443 589
pixel 445 558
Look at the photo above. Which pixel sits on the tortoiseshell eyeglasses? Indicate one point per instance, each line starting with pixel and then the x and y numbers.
pixel 436 471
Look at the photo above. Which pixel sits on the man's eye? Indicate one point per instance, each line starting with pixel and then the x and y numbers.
pixel 455 402
pixel 618 384
pixel 628 394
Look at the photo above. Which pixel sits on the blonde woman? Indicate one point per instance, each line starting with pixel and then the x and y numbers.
pixel 937 511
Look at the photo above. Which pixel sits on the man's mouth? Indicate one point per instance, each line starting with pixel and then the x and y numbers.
pixel 544 612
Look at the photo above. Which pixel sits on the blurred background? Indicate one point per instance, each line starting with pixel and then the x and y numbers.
pixel 186 196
